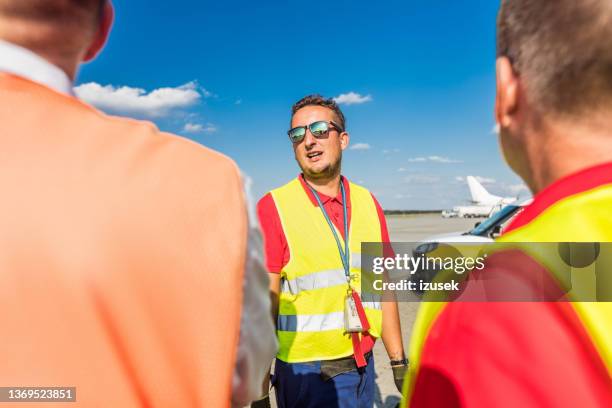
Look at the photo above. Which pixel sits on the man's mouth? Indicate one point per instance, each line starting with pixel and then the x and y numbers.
pixel 314 156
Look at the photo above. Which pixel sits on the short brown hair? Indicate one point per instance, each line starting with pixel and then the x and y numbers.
pixel 561 49
pixel 60 11
pixel 318 100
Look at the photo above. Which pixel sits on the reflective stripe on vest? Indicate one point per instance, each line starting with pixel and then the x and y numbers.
pixel 588 213
pixel 319 280
pixel 313 283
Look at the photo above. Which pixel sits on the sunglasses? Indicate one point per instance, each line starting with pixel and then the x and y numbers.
pixel 319 129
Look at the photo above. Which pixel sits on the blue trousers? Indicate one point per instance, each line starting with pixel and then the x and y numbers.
pixel 299 385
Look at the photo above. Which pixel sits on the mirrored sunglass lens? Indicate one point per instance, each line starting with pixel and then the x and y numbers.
pixel 318 128
pixel 297 134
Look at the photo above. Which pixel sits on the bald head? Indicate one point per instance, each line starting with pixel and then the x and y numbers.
pixel 66 32
pixel 562 52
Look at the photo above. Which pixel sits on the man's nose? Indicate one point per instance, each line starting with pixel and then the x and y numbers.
pixel 309 139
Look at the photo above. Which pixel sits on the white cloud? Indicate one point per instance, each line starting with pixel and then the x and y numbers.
pixel 495 129
pixel 360 146
pixel 516 189
pixel 482 180
pixel 389 151
pixel 199 128
pixel 401 170
pixel 433 159
pixel 438 159
pixel 193 127
pixel 485 180
pixel 421 179
pixel 125 99
pixel 210 128
pixel 238 102
pixel 205 93
pixel 352 98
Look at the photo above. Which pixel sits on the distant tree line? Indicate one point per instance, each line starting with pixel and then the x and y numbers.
pixel 411 212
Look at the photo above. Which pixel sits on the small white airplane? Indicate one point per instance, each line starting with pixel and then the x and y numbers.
pixel 483 202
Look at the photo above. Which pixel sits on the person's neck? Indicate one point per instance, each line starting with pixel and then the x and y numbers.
pixel 327 186
pixel 563 149
pixel 65 59
pixel 68 65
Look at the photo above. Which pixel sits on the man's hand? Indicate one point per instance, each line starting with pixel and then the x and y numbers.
pixel 262 403
pixel 399 373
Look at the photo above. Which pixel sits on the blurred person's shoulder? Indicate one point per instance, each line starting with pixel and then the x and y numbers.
pixel 581 200
pixel 138 140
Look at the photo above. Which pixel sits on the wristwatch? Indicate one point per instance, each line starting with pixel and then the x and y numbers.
pixel 402 362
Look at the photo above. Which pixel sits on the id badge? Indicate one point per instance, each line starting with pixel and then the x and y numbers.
pixel 352 322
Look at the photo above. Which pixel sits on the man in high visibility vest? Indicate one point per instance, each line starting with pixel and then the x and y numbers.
pixel 554 110
pixel 313 229
pixel 118 242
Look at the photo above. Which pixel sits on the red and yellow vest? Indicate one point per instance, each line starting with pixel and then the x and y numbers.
pixel 313 282
pixel 575 209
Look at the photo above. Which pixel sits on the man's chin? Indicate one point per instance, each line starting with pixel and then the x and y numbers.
pixel 321 173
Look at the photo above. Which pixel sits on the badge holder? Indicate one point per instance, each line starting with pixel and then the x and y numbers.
pixel 355 319
pixel 352 321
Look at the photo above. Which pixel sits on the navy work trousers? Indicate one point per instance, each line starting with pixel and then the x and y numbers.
pixel 299 385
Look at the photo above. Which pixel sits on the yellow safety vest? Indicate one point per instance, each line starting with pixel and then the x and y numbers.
pixel 313 283
pixel 582 217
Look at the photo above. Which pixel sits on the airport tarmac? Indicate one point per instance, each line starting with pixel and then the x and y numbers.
pixel 408 228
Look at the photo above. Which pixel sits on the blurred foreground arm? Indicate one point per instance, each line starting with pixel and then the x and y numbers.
pixel 258 343
pixel 264 399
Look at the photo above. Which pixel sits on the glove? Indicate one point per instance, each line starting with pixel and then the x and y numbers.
pixel 399 373
pixel 262 403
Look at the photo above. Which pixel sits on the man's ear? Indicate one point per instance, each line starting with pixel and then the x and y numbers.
pixel 507 98
pixel 344 140
pixel 102 33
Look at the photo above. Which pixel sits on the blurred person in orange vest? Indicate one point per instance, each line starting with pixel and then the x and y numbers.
pixel 129 266
pixel 554 110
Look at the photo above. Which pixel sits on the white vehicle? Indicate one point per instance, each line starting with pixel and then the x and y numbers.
pixel 485 231
pixel 449 214
pixel 472 211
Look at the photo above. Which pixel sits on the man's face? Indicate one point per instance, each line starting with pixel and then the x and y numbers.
pixel 319 158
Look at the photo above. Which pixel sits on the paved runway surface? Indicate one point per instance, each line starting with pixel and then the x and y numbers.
pixel 409 228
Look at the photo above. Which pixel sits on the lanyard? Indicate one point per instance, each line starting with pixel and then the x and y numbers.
pixel 344 255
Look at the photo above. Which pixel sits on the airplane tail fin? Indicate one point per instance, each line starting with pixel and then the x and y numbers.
pixel 478 192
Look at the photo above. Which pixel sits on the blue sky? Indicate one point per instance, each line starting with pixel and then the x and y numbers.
pixel 226 74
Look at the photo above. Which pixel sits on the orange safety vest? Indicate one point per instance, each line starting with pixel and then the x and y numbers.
pixel 523 353
pixel 122 252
